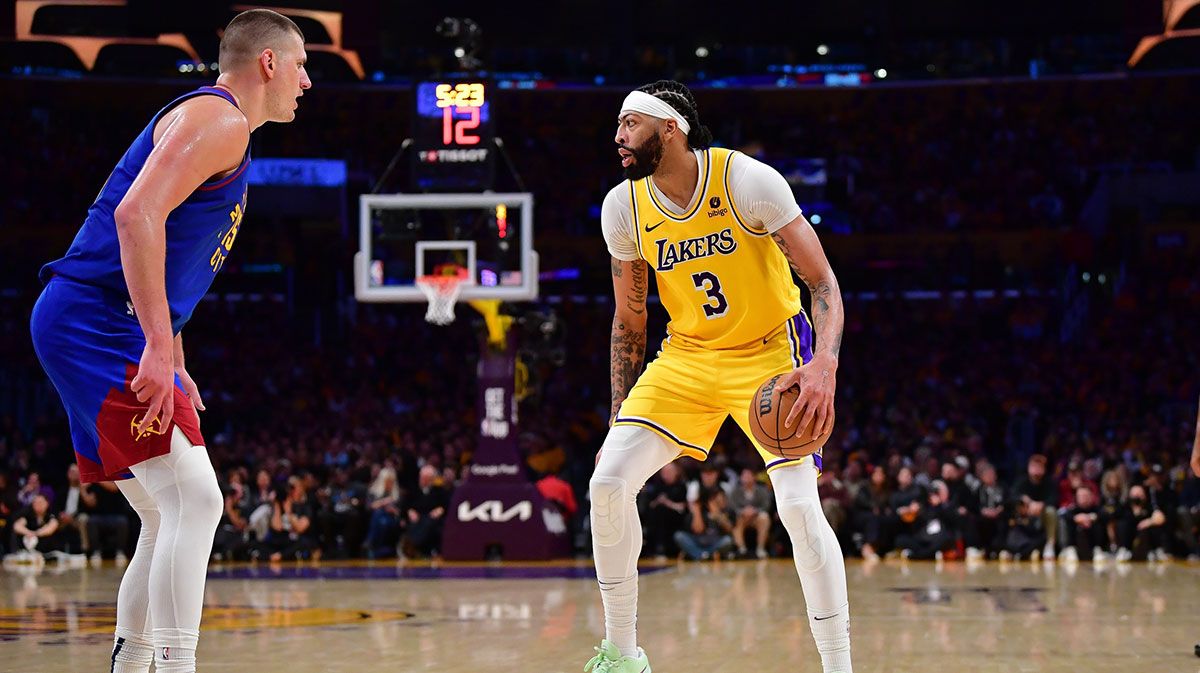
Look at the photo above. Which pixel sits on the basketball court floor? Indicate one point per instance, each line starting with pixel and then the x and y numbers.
pixel 716 617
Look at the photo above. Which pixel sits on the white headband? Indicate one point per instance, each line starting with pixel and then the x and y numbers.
pixel 640 101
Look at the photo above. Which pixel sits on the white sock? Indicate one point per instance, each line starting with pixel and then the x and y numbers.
pixel 628 458
pixel 620 613
pixel 174 660
pixel 131 655
pixel 831 630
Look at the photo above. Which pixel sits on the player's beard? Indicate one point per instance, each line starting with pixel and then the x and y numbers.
pixel 645 158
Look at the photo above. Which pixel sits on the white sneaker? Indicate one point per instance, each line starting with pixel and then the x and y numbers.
pixel 121 559
pixel 1123 555
pixel 96 558
pixel 1048 552
pixel 1069 555
pixel 938 556
pixel 974 554
pixel 1006 555
pixel 1100 556
pixel 905 553
pixel 1035 556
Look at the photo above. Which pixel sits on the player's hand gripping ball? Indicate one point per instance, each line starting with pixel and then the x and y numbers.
pixel 768 410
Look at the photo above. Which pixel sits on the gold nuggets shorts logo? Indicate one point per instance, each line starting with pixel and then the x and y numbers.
pixel 154 429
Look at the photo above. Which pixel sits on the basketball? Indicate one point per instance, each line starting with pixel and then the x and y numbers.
pixel 768 409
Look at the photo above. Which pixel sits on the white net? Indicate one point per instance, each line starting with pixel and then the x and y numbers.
pixel 442 293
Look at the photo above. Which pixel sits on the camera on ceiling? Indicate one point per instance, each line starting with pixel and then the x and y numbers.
pixel 464 34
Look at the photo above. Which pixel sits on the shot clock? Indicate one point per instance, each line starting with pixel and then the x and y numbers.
pixel 453 136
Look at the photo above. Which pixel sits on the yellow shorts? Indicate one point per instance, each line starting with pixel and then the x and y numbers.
pixel 686 393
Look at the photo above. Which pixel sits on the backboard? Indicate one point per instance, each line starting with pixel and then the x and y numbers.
pixel 404 236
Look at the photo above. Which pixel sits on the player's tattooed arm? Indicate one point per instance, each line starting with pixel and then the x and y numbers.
pixel 803 251
pixel 817 379
pixel 635 299
pixel 628 348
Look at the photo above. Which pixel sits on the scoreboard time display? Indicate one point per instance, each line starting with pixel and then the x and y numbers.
pixel 453 136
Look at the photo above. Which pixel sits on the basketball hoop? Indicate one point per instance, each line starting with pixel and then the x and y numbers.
pixel 441 288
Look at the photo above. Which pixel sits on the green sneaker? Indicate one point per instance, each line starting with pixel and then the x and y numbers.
pixel 608 659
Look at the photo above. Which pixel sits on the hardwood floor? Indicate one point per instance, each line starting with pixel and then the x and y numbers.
pixel 722 617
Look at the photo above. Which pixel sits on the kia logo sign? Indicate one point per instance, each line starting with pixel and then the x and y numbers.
pixel 492 511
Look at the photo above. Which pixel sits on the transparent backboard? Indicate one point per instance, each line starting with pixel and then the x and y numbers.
pixel 404 236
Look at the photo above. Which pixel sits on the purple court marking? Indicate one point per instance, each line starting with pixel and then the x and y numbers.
pixel 411 573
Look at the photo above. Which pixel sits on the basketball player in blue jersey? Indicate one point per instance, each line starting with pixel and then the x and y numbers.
pixel 108 326
pixel 720 231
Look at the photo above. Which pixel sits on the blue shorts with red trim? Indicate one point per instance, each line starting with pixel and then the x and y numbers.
pixel 90 344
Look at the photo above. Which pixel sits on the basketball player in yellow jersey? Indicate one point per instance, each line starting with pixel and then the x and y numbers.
pixel 720 230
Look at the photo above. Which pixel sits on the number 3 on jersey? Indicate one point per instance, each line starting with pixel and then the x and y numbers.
pixel 708 283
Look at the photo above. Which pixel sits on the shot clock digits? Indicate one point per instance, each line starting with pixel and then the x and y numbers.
pixel 464 97
pixel 452 136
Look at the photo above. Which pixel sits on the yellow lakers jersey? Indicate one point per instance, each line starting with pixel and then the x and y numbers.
pixel 724 282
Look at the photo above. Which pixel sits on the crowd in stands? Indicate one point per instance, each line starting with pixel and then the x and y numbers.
pixel 998 156
pixel 962 431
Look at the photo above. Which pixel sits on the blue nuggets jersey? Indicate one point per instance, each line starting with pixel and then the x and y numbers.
pixel 83 326
pixel 200 232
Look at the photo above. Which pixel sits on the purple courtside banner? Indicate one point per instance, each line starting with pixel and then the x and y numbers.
pixel 496 506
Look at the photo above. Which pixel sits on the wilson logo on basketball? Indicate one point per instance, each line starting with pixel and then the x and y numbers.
pixel 766 397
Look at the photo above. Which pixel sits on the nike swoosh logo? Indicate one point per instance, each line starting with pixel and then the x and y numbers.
pixel 650 228
pixel 817 619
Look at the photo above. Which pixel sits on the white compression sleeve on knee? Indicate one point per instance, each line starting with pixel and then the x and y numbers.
pixel 184 488
pixel 819 563
pixel 628 458
pixel 133 648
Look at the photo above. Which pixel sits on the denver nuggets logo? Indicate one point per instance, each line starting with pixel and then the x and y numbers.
pixel 154 429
